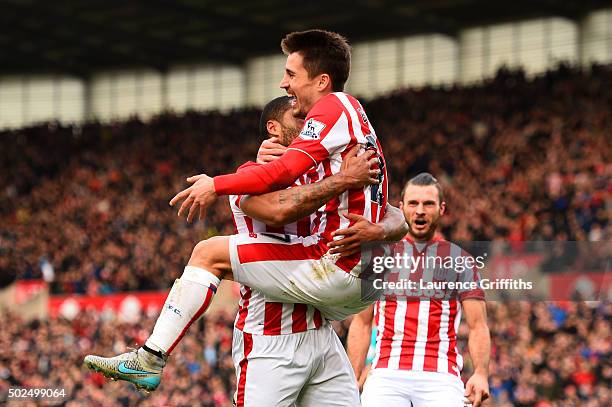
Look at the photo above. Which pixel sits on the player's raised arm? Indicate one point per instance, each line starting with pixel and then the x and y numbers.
pixel 316 142
pixel 281 207
pixel 269 177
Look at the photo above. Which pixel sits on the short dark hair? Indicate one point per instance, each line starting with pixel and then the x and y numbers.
pixel 424 179
pixel 274 110
pixel 323 52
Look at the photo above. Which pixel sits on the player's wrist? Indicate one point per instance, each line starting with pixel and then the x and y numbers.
pixel 380 232
pixel 481 371
pixel 343 181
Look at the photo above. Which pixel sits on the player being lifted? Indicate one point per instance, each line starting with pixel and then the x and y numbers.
pixel 285 268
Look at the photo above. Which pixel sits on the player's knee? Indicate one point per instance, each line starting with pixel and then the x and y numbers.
pixel 211 253
pixel 202 253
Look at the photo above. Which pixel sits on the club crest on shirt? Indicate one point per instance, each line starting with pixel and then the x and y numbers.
pixel 312 130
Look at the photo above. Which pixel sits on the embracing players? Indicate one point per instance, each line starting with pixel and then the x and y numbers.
pixel 285 268
pixel 288 353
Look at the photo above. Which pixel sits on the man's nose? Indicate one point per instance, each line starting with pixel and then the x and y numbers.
pixel 284 83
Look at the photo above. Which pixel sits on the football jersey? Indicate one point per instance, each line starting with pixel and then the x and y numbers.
pixel 421 335
pixel 334 125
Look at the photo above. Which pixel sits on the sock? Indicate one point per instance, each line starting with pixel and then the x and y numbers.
pixel 189 297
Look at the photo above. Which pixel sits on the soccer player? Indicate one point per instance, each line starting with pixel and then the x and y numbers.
pixel 286 268
pixel 417 363
pixel 318 64
pixel 284 353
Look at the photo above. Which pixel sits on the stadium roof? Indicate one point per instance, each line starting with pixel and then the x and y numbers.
pixel 79 37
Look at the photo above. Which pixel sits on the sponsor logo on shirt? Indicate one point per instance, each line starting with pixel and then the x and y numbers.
pixel 312 130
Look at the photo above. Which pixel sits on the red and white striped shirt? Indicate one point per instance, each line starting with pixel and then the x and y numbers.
pixel 421 335
pixel 256 315
pixel 334 125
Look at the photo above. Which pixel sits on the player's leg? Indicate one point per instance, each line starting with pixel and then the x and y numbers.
pixel 191 294
pixel 261 262
pixel 333 382
pixel 437 389
pixel 295 270
pixel 270 370
pixel 386 388
pixel 187 301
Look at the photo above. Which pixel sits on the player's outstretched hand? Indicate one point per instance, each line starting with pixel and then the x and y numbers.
pixel 477 389
pixel 270 150
pixel 197 197
pixel 360 170
pixel 353 237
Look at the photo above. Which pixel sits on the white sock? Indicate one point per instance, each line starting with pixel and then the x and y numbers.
pixel 189 297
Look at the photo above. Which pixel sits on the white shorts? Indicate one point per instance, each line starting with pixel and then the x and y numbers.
pixel 302 369
pixel 402 388
pixel 296 270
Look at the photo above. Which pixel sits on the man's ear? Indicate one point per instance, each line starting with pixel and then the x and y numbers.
pixel 442 208
pixel 273 127
pixel 324 82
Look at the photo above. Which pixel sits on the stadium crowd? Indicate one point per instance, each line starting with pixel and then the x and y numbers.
pixel 49 354
pixel 519 159
pixel 86 208
pixel 544 355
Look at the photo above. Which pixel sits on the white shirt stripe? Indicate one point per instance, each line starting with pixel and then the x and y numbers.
pixel 337 137
pixel 457 323
pixel 354 119
pixel 421 339
pixel 286 320
pixel 398 334
pixel 443 349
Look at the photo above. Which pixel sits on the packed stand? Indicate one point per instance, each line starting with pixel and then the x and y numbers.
pixel 549 355
pixel 543 355
pixel 94 217
pixel 87 207
pixel 49 354
pixel 520 160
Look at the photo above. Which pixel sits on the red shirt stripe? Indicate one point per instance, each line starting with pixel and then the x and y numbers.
pixel 272 319
pixel 299 318
pixel 250 253
pixel 244 363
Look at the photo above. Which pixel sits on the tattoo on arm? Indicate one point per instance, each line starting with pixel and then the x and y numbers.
pixel 289 205
pixel 306 199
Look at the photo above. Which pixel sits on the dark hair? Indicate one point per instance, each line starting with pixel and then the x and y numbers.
pixel 323 52
pixel 424 179
pixel 274 110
